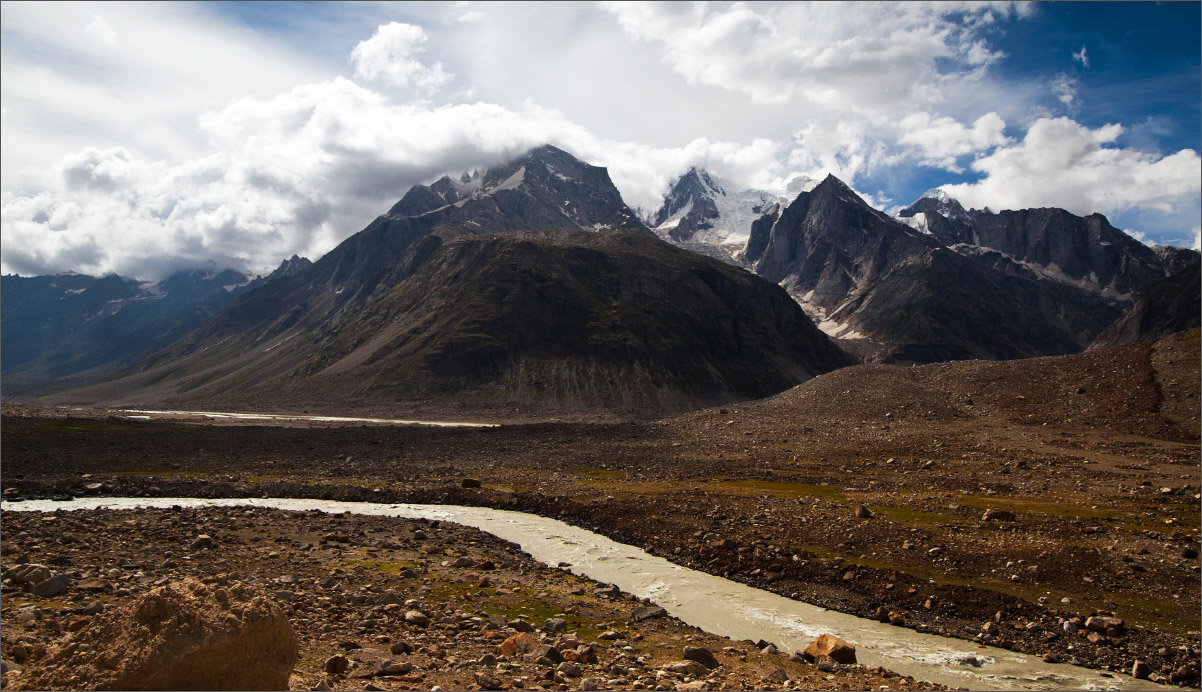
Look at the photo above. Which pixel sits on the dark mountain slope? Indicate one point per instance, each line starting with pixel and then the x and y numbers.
pixel 1166 307
pixel 895 294
pixel 621 322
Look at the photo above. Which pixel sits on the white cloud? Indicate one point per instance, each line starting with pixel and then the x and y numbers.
pixel 298 173
pixel 464 12
pixel 1197 244
pixel 1061 163
pixel 1082 57
pixel 101 29
pixel 941 141
pixel 832 54
pixel 1064 87
pixel 390 54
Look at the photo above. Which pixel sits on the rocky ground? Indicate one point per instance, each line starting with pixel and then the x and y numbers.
pixel 1002 502
pixel 376 603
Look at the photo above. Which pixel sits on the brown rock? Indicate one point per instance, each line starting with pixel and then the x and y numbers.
pixel 520 643
pixel 829 645
pixel 337 664
pixel 94 584
pixel 701 655
pixel 183 635
pixel 470 483
pixel 863 512
pixel 998 515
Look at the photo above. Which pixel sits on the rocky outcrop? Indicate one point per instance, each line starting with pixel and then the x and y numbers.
pixel 182 636
pixel 1167 307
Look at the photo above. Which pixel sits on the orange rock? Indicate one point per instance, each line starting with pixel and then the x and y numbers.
pixel 77 624
pixel 520 643
pixel 838 650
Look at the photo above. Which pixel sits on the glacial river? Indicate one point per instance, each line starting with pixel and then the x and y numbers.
pixel 217 415
pixel 714 604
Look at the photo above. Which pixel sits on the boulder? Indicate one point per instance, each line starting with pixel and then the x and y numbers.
pixel 647 612
pixel 181 636
pixel 520 643
pixel 701 655
pixel 28 573
pixel 470 483
pixel 52 586
pixel 832 647
pixel 998 515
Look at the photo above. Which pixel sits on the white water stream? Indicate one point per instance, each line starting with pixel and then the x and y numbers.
pixel 714 604
pixel 147 415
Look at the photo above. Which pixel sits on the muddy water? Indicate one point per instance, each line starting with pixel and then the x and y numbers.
pixel 711 603
pixel 147 415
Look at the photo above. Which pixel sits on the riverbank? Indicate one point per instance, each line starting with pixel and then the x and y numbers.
pixel 350 585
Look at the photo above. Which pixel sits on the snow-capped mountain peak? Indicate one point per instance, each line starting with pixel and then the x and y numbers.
pixel 703 209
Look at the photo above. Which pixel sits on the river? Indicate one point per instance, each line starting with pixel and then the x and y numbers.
pixel 714 604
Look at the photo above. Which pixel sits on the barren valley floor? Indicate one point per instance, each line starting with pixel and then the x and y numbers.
pixel 1094 457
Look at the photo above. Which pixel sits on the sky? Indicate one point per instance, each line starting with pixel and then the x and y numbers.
pixel 150 137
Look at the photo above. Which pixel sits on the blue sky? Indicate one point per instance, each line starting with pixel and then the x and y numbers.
pixel 141 138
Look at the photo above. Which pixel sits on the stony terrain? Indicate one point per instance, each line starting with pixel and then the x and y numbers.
pixel 375 603
pixel 1003 502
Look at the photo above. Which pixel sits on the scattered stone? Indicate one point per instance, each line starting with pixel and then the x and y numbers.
pixel 202 542
pixel 94 584
pixel 687 668
pixel 568 669
pixel 521 625
pixel 337 664
pixel 829 645
pixel 390 667
pixel 52 586
pixel 521 643
pixel 647 612
pixel 547 655
pixel 1102 624
pixel 28 574
pixel 701 655
pixel 778 675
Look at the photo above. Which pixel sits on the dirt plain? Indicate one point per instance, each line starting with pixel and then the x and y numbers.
pixel 1096 456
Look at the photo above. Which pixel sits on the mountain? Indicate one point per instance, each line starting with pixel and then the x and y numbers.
pixel 54 328
pixel 1050 243
pixel 486 294
pixel 896 294
pixel 712 216
pixel 1166 307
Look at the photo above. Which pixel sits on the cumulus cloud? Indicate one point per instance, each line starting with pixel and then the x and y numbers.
pixel 1061 163
pixel 941 141
pixel 299 172
pixel 826 53
pixel 391 54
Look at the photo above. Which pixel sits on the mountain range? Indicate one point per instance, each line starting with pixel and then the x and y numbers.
pixel 532 287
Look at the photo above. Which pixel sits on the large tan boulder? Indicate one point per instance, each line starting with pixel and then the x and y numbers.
pixel 833 647
pixel 181 636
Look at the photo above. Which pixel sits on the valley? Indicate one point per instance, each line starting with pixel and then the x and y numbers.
pixel 1093 455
